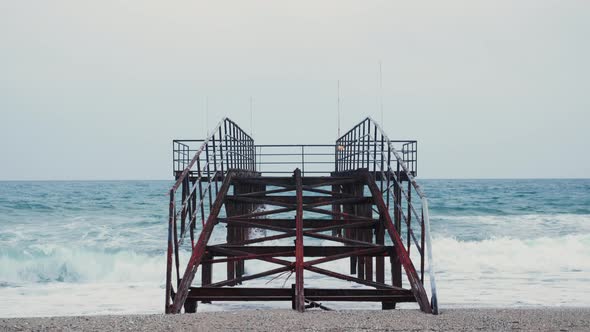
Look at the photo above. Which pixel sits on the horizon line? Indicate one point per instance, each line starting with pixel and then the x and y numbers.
pixel 172 179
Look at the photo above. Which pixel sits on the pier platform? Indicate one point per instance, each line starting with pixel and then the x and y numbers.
pixel 298 207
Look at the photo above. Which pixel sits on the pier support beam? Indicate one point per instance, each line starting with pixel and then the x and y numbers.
pixel 299 288
pixel 363 242
pixel 396 267
pixel 239 233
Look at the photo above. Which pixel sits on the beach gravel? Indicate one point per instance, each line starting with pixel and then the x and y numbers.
pixel 553 319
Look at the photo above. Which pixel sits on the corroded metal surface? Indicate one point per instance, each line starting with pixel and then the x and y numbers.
pixel 365 200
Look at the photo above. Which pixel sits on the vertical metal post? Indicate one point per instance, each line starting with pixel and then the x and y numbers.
pixel 185 191
pixel 303 160
pixel 221 157
pixel 346 153
pixel 336 208
pixel 355 149
pixel 359 233
pixel 215 165
pixel 174 158
pixel 201 198
pixel 336 153
pixel 241 144
pixel 239 149
pixel 362 146
pixel 383 171
pixel 232 136
pixel 206 272
pixel 208 161
pixel 193 215
pixel 176 254
pixel 388 173
pixel 422 241
pixel 409 214
pixel 171 211
pixel 367 211
pixel 259 158
pixel 351 149
pixel 368 145
pixel 415 159
pixel 299 289
pixel 231 234
pixel 396 268
pixel 227 150
pixel 375 152
pixel 380 260
pixel 186 156
pixel 253 147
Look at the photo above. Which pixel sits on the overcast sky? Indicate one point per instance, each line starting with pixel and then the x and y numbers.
pixel 98 89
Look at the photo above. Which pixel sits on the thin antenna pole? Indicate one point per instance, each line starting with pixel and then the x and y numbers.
pixel 204 119
pixel 381 93
pixel 251 119
pixel 338 108
pixel 207 114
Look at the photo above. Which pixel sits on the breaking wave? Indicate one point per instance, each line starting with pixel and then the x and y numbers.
pixel 57 263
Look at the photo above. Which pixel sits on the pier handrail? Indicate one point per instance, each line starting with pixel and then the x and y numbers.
pixel 271 159
pixel 426 217
pixel 363 144
pixel 311 159
pixel 204 168
pixel 226 148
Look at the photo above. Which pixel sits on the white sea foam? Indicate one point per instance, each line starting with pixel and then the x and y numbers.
pixel 508 255
pixel 514 272
pixel 60 280
pixel 57 263
pixel 557 219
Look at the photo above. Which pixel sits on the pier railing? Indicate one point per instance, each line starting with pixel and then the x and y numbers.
pixel 199 167
pixel 183 152
pixel 311 159
pixel 392 163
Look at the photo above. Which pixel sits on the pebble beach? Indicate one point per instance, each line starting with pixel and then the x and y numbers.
pixel 545 319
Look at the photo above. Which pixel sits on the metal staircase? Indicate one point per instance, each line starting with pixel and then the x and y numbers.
pixel 358 208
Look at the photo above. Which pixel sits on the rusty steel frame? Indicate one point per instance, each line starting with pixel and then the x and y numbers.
pixel 210 163
pixel 225 172
pixel 391 163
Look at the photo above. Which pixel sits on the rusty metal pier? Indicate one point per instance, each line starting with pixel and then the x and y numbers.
pixel 298 207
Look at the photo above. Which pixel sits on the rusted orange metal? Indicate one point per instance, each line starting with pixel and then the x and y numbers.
pixel 360 196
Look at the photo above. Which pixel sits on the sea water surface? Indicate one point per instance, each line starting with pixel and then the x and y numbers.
pixel 77 248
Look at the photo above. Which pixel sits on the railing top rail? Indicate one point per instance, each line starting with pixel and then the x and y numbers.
pixel 403 165
pixel 393 150
pixel 235 124
pixel 187 140
pixel 203 146
pixel 195 157
pixel 294 145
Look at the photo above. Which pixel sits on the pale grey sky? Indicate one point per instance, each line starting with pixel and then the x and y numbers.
pixel 98 89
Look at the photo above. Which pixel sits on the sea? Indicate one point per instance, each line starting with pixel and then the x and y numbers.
pixel 98 247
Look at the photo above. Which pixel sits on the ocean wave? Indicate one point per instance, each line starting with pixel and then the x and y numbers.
pixel 506 256
pixel 24 205
pixel 57 263
pixel 560 217
pixel 524 226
